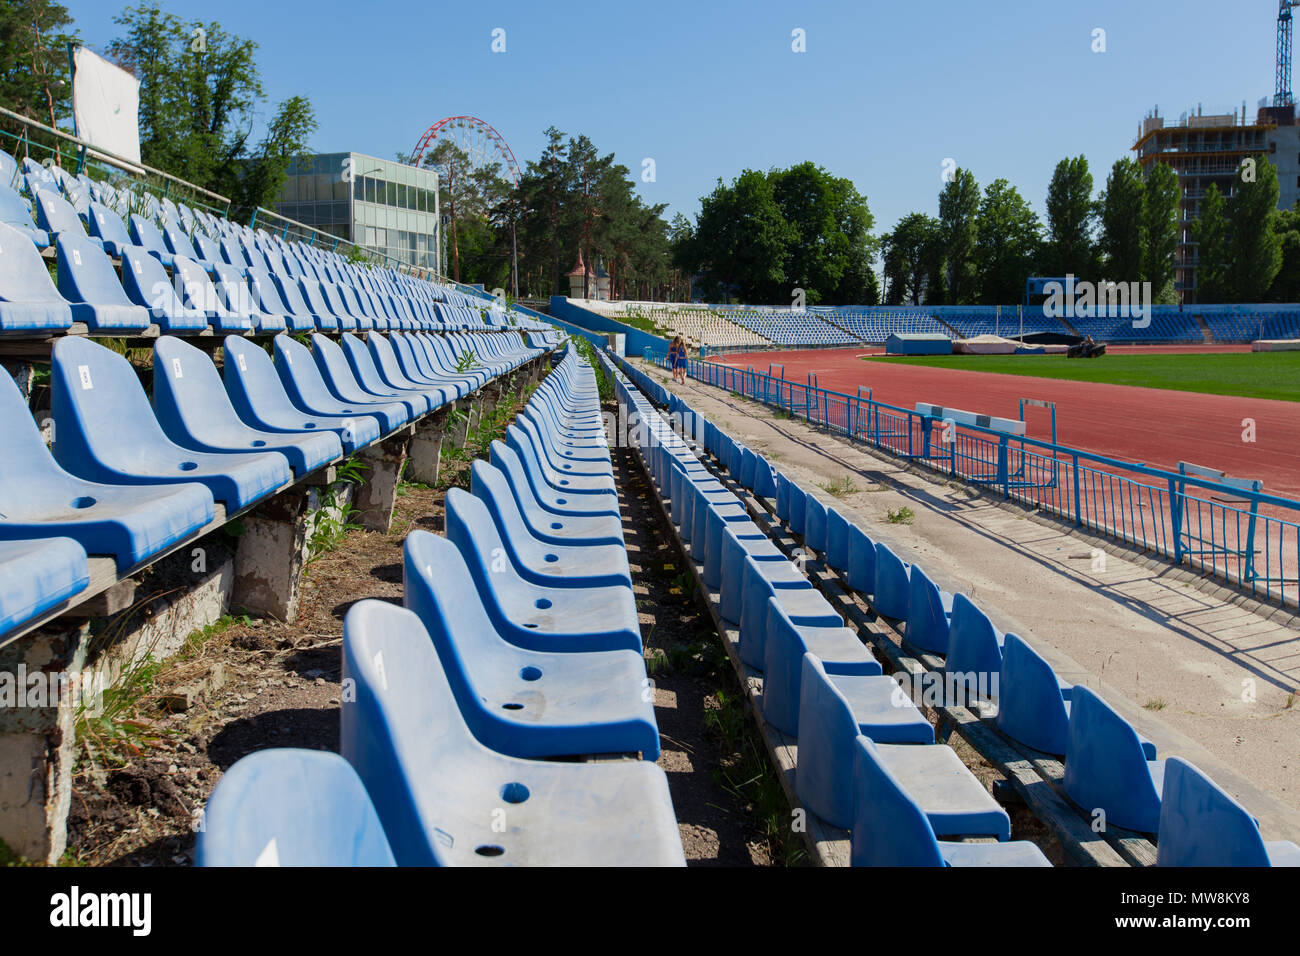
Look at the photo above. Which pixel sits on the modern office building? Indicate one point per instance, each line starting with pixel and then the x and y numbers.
pixel 384 205
pixel 1205 149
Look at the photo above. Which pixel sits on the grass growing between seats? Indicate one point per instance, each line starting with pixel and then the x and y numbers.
pixel 1273 375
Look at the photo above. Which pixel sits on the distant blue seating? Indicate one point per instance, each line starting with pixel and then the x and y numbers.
pixel 891 829
pixel 1106 767
pixel 288 807
pixel 435 786
pixel 36 576
pixel 107 432
pixel 1201 825
pixel 145 234
pixel 525 703
pixel 308 390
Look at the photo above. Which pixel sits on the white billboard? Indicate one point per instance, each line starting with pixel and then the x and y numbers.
pixel 106 104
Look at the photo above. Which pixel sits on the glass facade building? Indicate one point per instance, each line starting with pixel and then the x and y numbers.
pixel 384 205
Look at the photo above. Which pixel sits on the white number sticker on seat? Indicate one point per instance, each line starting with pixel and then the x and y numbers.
pixel 84 372
pixel 243 366
pixel 176 368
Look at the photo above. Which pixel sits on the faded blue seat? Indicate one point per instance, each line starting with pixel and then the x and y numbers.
pixel 761 580
pixel 893 586
pixel 259 397
pixel 385 355
pixel 716 521
pixel 783 486
pixel 56 216
pixel 1106 767
pixel 290 807
pixel 974 660
pixel 526 447
pixel 745 475
pixel 197 292
pixel 736 545
pixel 548 498
pixel 107 226
pixel 535 616
pixel 834 710
pixel 194 411
pixel 233 292
pixel 107 432
pixel 1031 706
pixel 491 484
pixel 890 827
pixel 435 786
pixel 525 703
pixel 1201 825
pixel 837 540
pixel 712 508
pixel 797 510
pixel 267 298
pixel 29 302
pixel 15 215
pixel 861 572
pixel 373 380
pixel 38 499
pixel 308 390
pixel 814 532
pixel 147 284
pixel 928 613
pixel 36 576
pixel 764 479
pixel 89 282
pixel 342 383
pixel 144 233
pixel 839 649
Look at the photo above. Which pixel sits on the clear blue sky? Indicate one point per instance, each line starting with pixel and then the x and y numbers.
pixel 884 94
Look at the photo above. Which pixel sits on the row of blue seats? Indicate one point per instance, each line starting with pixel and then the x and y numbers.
pixel 1107 764
pixel 518 650
pixel 820 683
pixel 262 283
pixel 127 479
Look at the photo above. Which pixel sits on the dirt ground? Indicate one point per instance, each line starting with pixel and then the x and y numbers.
pixel 282 689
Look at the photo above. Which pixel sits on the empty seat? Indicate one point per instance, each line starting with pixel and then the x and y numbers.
pixel 1106 767
pixel 107 432
pixel 89 282
pixel 146 284
pixel 1201 825
pixel 29 302
pixel 310 392
pixel 36 576
pixel 526 703
pixel 928 613
pixel 108 228
pixel 890 828
pixel 435 786
pixel 1031 706
pixel 974 659
pixel 15 215
pixel 861 574
pixel 289 807
pixel 56 216
pixel 893 584
pixel 145 234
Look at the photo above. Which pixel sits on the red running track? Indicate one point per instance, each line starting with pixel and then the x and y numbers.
pixel 1155 426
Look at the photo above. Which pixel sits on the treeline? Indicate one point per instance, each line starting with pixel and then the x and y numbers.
pixel 983 245
pixel 200 92
pixel 797 235
pixel 570 201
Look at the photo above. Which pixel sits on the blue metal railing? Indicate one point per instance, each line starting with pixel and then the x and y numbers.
pixel 1216 528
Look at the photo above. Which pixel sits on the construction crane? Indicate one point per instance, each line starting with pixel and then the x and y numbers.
pixel 1283 97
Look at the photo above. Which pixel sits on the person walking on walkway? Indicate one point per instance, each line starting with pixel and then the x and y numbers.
pixel 677 359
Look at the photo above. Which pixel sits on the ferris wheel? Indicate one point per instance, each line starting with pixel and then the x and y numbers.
pixel 476 138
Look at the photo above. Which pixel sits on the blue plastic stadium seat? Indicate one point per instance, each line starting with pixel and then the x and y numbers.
pixel 36 576
pixel 833 712
pixel 308 389
pixel 491 484
pixel 194 411
pixel 1031 706
pixel 736 546
pixel 861 572
pixel 893 585
pixel 342 382
pixel 147 284
pixel 289 807
pixel 974 660
pixel 56 216
pixel 107 432
pixel 786 642
pixel 370 377
pixel 233 293
pixel 15 215
pixel 29 302
pixel 144 233
pixel 525 703
pixel 108 228
pixel 40 500
pixel 890 827
pixel 1201 825
pixel 435 786
pixel 837 541
pixel 800 601
pixel 1106 767
pixel 928 613
pixel 197 292
pixel 89 282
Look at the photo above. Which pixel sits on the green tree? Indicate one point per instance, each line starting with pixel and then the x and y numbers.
pixel 285 141
pixel 1008 235
pixel 741 240
pixel 912 254
pixel 1211 235
pixel 1286 287
pixel 1255 247
pixel 1121 222
pixel 1071 213
pixel 1160 212
pixel 545 190
pixel 34 36
pixel 959 204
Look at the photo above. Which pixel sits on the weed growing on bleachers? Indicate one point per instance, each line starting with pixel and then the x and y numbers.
pixel 112 732
pixel 842 488
pixel 903 515
pixel 334 520
pixel 467 361
pixel 1156 703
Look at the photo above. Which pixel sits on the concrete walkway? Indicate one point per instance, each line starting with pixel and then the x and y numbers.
pixel 1204 674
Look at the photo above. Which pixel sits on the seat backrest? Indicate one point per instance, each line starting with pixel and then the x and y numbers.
pixel 146 282
pixel 23 276
pixel 1030 706
pixel 55 214
pixel 1103 753
pixel 290 807
pixel 108 225
pixel 13 210
pixel 146 234
pixel 86 274
pixel 889 827
pixel 97 399
pixel 1201 825
pixel 892 587
pixel 973 651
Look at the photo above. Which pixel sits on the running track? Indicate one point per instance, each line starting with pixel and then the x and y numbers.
pixel 1158 427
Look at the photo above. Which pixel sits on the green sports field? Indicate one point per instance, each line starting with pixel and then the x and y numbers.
pixel 1248 374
